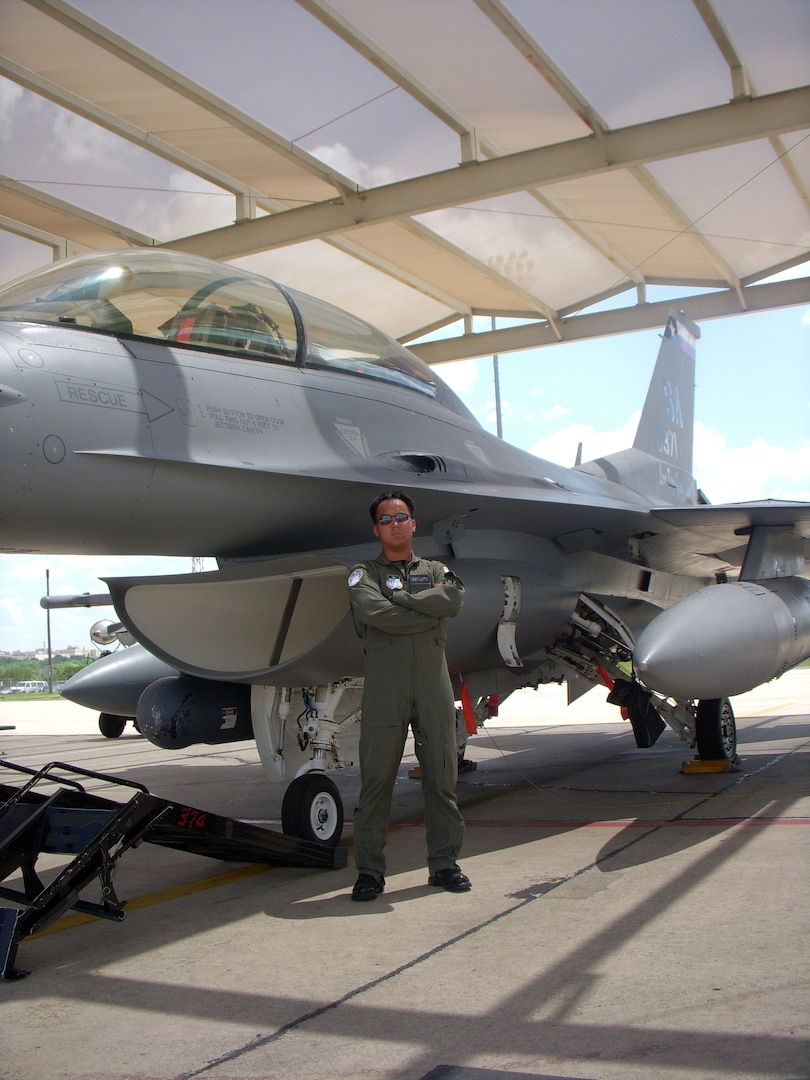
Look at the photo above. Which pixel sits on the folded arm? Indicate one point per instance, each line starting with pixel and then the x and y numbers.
pixel 443 601
pixel 371 607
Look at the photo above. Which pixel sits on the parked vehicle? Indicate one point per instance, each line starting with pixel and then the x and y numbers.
pixel 28 686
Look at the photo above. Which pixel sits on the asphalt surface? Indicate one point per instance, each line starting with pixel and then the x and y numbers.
pixel 627 919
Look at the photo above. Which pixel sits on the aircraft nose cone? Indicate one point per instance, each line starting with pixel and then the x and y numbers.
pixel 114 683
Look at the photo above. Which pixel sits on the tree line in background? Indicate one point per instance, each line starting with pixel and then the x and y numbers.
pixel 17 669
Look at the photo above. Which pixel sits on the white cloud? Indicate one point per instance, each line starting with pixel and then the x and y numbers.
pixel 460 375
pixel 10 97
pixel 561 446
pixel 555 412
pixel 23 623
pixel 188 205
pixel 11 610
pixel 726 474
pixel 79 140
pixel 340 158
pixel 756 471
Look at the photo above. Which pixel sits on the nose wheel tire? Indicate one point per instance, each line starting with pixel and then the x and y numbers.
pixel 313 810
pixel 716 730
pixel 111 726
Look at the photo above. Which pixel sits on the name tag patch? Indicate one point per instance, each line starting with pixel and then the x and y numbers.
pixel 419 579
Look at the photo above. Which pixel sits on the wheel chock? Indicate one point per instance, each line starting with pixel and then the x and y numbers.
pixel 697 765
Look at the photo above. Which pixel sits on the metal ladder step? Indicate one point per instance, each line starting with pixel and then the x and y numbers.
pixel 96 831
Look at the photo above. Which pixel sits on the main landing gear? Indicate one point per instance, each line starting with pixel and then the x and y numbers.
pixel 112 726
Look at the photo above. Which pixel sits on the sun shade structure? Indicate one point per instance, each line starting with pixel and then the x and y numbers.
pixel 423 163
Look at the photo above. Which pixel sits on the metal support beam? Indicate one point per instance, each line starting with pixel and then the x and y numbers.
pixel 714 305
pixel 656 140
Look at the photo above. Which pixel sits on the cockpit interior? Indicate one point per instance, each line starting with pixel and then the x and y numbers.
pixel 189 302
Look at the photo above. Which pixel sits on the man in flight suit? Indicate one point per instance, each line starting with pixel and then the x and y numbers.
pixel 399 603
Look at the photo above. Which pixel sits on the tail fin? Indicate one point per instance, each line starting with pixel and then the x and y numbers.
pixel 667 419
pixel 659 464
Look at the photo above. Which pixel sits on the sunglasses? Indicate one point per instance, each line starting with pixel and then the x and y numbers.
pixel 386 519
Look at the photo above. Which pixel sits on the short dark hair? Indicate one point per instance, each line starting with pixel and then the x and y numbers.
pixel 390 495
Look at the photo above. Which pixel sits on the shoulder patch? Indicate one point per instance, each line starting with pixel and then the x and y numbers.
pixel 356 576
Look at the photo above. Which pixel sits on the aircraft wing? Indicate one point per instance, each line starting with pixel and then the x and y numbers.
pixel 697 541
pixel 722 532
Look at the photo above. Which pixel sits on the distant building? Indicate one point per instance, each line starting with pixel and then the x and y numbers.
pixel 72 652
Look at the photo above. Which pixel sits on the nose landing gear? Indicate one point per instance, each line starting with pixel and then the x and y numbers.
pixel 716 730
pixel 313 809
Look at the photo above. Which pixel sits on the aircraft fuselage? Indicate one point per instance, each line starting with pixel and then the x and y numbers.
pixel 155 403
pixel 113 444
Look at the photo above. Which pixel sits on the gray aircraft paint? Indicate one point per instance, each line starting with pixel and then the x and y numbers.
pixel 263 447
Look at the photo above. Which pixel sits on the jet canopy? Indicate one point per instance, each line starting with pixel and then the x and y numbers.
pixel 190 302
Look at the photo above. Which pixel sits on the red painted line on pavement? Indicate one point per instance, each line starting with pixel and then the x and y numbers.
pixel 638 823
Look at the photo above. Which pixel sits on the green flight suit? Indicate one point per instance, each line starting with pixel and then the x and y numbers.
pixel 399 615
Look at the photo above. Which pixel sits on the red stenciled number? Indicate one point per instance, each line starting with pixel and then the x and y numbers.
pixel 189 818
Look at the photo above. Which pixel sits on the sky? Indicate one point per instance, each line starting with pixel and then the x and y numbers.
pixel 752 430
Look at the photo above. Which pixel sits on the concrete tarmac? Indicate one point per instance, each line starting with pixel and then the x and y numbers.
pixel 628 921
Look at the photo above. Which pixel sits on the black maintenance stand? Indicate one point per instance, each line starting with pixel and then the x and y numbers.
pixel 65 819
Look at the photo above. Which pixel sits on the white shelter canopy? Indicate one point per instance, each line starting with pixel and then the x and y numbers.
pixel 425 162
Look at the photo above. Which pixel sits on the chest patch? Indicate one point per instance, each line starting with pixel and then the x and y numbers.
pixel 393 581
pixel 419 579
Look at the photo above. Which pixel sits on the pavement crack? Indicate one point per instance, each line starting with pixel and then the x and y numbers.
pixel 525 897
